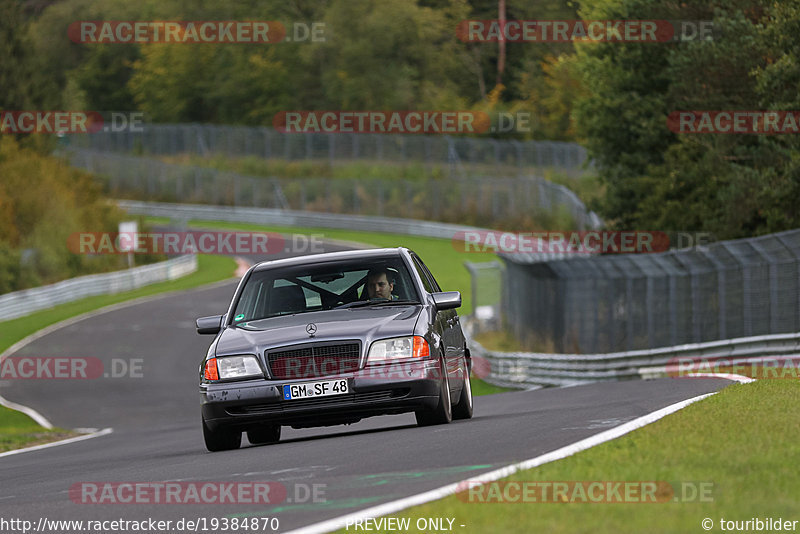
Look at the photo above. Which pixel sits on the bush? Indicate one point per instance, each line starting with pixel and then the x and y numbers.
pixel 42 201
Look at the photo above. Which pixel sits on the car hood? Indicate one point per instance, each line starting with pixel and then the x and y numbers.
pixel 365 324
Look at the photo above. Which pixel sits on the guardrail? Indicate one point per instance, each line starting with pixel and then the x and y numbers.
pixel 531 370
pixel 27 301
pixel 276 217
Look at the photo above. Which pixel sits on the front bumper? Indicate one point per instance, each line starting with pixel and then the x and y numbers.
pixel 375 390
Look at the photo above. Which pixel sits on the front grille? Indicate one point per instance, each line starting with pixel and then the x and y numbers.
pixel 314 361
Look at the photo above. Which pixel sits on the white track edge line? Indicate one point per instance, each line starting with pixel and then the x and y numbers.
pixel 30 412
pixel 727 376
pixel 450 489
pixel 97 434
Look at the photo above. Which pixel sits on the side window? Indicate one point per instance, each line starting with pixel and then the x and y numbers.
pixel 421 271
pixel 252 303
pixel 431 279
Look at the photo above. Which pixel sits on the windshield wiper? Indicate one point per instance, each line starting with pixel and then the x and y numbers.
pixel 364 303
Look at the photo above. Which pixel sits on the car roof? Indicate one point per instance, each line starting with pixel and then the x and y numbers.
pixel 362 254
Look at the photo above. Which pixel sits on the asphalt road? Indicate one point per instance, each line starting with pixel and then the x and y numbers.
pixel 155 415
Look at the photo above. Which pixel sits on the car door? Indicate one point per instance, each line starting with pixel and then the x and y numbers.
pixel 449 324
pixel 440 324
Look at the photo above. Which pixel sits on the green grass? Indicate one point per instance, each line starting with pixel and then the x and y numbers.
pixel 741 443
pixel 319 168
pixel 502 341
pixel 480 388
pixel 18 430
pixel 362 169
pixel 506 341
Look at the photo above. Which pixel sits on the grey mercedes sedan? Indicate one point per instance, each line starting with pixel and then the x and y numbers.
pixel 330 339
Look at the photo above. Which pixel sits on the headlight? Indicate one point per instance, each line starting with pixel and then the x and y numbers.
pixel 231 367
pixel 398 348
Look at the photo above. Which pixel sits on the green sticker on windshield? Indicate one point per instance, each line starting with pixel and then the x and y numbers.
pixel 239 317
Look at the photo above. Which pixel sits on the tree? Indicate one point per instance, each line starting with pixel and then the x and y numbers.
pixel 732 185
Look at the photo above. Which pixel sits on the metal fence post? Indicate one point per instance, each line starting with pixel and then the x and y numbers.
pixel 629 330
pixel 721 292
pixel 380 198
pixel 796 255
pixel 773 284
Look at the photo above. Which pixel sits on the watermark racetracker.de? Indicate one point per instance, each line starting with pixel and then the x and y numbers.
pixel 63 122
pixel 584 31
pixel 447 122
pixel 194 242
pixel 763 122
pixel 196 492
pixel 585 491
pixel 194 32
pixel 69 368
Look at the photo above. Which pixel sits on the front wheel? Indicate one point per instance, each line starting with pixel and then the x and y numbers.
pixel 221 439
pixel 443 413
pixel 463 410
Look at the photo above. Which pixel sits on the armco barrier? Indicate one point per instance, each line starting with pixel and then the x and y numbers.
pixel 268 216
pixel 531 370
pixel 309 219
pixel 27 301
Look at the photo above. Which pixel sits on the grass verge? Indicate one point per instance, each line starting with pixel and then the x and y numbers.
pixel 367 169
pixel 501 340
pixel 479 387
pixel 17 430
pixel 505 341
pixel 742 443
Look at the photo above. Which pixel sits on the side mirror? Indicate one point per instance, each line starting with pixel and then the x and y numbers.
pixel 209 325
pixel 446 300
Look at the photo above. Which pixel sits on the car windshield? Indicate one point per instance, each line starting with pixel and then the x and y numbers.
pixel 315 287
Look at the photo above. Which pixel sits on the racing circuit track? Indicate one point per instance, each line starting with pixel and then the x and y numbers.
pixel 157 437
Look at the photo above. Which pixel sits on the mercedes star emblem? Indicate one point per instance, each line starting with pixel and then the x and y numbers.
pixel 311 328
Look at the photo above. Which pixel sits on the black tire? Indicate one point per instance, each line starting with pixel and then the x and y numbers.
pixel 264 434
pixel 443 413
pixel 463 410
pixel 221 439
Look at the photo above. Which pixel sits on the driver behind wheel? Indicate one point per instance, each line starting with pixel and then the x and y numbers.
pixel 380 283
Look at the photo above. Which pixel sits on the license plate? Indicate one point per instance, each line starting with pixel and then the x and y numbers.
pixel 307 390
